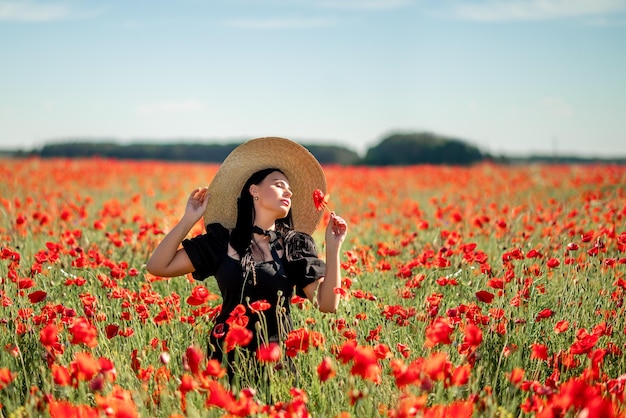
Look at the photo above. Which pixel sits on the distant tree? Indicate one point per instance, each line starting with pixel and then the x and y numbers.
pixel 182 151
pixel 422 148
pixel 332 154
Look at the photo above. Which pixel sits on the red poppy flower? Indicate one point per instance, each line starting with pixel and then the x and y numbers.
pixel 543 314
pixel 111 330
pixel 326 370
pixel 193 359
pixel 237 336
pixel 320 200
pixel 83 332
pixel 49 336
pixel 84 367
pixel 118 403
pixel 561 326
pixel 6 377
pixel 200 295
pixel 438 366
pixel 473 335
pixel 539 351
pixel 37 296
pixel 406 375
pixel 553 262
pixel 439 332
pixel 460 375
pixel 268 353
pixel 259 306
pixel 63 409
pixel 484 296
pixel 238 316
pixel 61 375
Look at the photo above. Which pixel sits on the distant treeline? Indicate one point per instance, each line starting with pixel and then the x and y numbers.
pixel 396 149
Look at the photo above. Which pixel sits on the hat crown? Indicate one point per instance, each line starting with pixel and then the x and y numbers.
pixel 301 168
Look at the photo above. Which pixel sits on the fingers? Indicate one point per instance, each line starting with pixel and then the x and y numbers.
pixel 337 225
pixel 199 193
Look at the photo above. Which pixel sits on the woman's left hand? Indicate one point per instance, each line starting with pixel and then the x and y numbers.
pixel 336 230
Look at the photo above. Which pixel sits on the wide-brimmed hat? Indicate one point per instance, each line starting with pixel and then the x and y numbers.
pixel 302 170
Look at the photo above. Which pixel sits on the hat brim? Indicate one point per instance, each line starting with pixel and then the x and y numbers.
pixel 302 170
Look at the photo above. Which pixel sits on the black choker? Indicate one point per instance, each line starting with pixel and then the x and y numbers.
pixel 274 243
pixel 261 231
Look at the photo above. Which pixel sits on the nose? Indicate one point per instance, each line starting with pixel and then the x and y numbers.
pixel 287 193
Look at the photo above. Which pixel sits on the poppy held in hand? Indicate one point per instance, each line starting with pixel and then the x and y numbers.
pixel 320 199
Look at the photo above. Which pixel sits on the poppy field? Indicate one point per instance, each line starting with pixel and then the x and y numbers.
pixel 467 291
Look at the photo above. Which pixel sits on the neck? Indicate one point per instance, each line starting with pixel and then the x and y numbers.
pixel 258 229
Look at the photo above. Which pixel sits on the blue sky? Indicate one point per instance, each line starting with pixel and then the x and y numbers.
pixel 512 77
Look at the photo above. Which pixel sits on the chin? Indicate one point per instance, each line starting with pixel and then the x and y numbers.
pixel 282 214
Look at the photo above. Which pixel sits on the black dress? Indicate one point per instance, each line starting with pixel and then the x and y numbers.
pixel 276 281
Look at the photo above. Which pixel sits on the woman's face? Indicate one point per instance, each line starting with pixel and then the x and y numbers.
pixel 274 195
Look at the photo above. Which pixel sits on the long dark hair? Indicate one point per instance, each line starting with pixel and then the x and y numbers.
pixel 242 234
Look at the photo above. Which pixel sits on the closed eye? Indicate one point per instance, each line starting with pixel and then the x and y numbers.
pixel 284 185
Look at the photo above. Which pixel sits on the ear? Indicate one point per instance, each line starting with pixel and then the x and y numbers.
pixel 253 189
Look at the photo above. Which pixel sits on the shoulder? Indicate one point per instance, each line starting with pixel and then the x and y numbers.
pixel 299 244
pixel 218 231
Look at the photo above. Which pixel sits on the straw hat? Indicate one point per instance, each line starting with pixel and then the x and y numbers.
pixel 299 166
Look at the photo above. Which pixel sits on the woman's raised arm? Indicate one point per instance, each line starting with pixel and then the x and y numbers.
pixel 327 299
pixel 168 260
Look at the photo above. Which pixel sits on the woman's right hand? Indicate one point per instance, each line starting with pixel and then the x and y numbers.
pixel 197 203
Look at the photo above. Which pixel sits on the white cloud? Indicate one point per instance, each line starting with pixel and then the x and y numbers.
pixel 280 23
pixel 171 106
pixel 34 11
pixel 497 10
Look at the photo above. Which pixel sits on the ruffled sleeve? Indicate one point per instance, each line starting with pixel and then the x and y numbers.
pixel 207 251
pixel 303 265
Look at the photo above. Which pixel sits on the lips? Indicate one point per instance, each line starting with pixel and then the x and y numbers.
pixel 286 202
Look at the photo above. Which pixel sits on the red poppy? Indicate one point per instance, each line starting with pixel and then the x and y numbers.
pixel 461 374
pixel 61 375
pixel 84 367
pixel 214 368
pixel 219 396
pixel 553 262
pixel 25 283
pixel 439 332
pixel 37 296
pixel 438 366
pixel 259 306
pixel 366 364
pixel 561 326
pixel 320 200
pixel 473 335
pixel 268 353
pixel 406 375
pixel 6 377
pixel 326 370
pixel 193 359
pixel 543 314
pixel 118 403
pixel 238 316
pixel 237 336
pixel 49 336
pixel 539 352
pixel 64 409
pixel 484 296
pixel 83 332
pixel 111 330
pixel 200 295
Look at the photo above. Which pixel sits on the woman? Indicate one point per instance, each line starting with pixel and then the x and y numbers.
pixel 259 213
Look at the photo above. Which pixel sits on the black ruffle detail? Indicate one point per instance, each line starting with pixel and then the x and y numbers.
pixel 303 264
